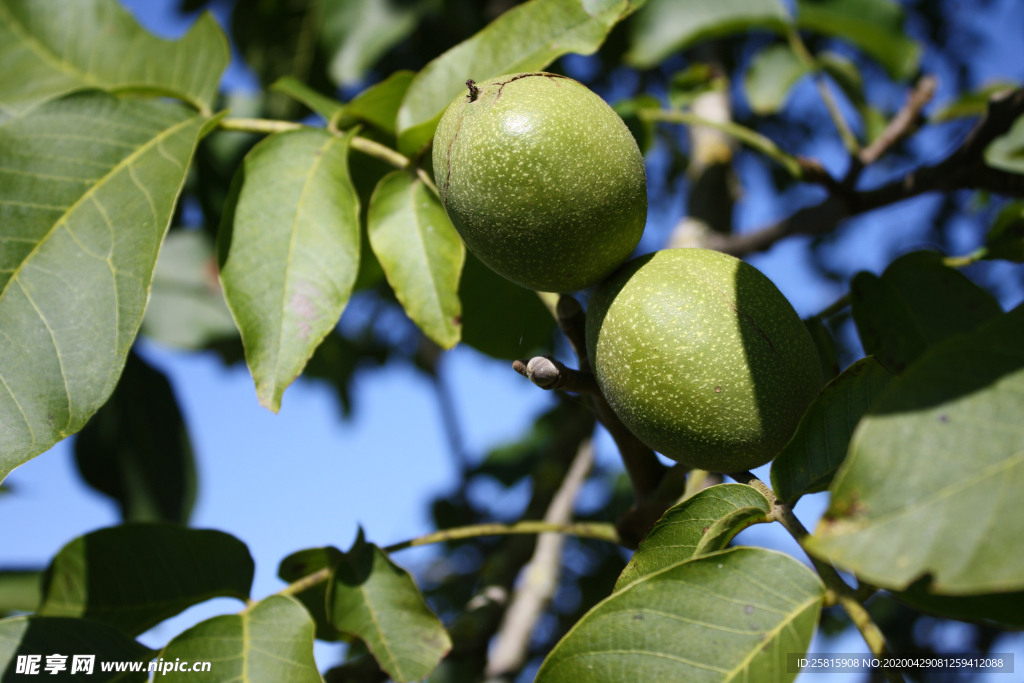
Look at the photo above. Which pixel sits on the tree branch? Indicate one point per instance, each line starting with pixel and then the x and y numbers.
pixel 540 577
pixel 964 169
pixel 548 373
pixel 845 595
pixel 905 123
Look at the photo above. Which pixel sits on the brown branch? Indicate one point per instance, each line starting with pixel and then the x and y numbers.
pixel 540 577
pixel 548 373
pixel 963 169
pixel 907 120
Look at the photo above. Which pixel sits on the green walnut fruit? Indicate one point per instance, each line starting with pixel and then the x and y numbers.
pixel 542 179
pixel 702 357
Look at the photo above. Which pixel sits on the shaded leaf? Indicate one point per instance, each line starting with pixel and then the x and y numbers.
pixel 50 48
pixel 1003 610
pixel 809 461
pixel 90 182
pixel 42 636
pixel 1005 240
pixel 270 642
pixel 643 130
pixel 826 347
pixel 500 318
pixel 136 449
pixel 676 536
pixel 730 615
pixel 20 591
pixel 528 37
pixel 136 575
pixel 1006 152
pixel 875 26
pixel 917 302
pixel 373 599
pixel 771 75
pixel 973 103
pixel 357 33
pixel 421 253
pixel 692 82
pixel 186 305
pixel 378 105
pixel 303 563
pixel 327 107
pixel 667 26
pixel 933 479
pixel 289 252
pixel 338 358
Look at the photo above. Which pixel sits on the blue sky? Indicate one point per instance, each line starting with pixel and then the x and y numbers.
pixel 306 478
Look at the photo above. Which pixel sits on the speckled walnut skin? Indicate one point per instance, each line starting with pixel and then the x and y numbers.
pixel 542 179
pixel 702 357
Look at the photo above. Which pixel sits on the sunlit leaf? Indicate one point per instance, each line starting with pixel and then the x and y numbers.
pixel 526 38
pixel 43 636
pixel 357 33
pixel 317 101
pixel 89 184
pixel 728 616
pixel 667 26
pixel 771 75
pixel 52 47
pixel 186 305
pixel 270 642
pixel 811 458
pixel 378 105
pixel 676 536
pixel 1006 152
pixel 289 252
pixel 933 480
pixel 421 253
pixel 875 26
pixel 134 576
pixel 916 302
pixel 136 449
pixel 375 600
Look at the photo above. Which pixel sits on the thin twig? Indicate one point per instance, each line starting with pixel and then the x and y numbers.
pixel 906 121
pixel 540 576
pixel 963 169
pixel 846 596
pixel 548 373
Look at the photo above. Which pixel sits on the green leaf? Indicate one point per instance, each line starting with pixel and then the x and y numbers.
pixel 1002 610
pixel 289 252
pixel 377 601
pixel 1005 240
pixel 89 184
pixel 378 105
pixel 322 104
pixel 846 75
pixel 826 347
pixel 771 75
pixel 500 318
pixel 303 563
pixel 134 576
pixel 643 130
pixel 917 302
pixel 875 26
pixel 20 591
pixel 136 449
pixel 732 615
pixel 676 536
pixel 810 459
pixel 973 103
pixel 1006 152
pixel 666 26
pixel 933 479
pixel 43 636
pixel 528 37
pixel 186 305
pixel 421 253
pixel 270 642
pixel 50 48
pixel 357 33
